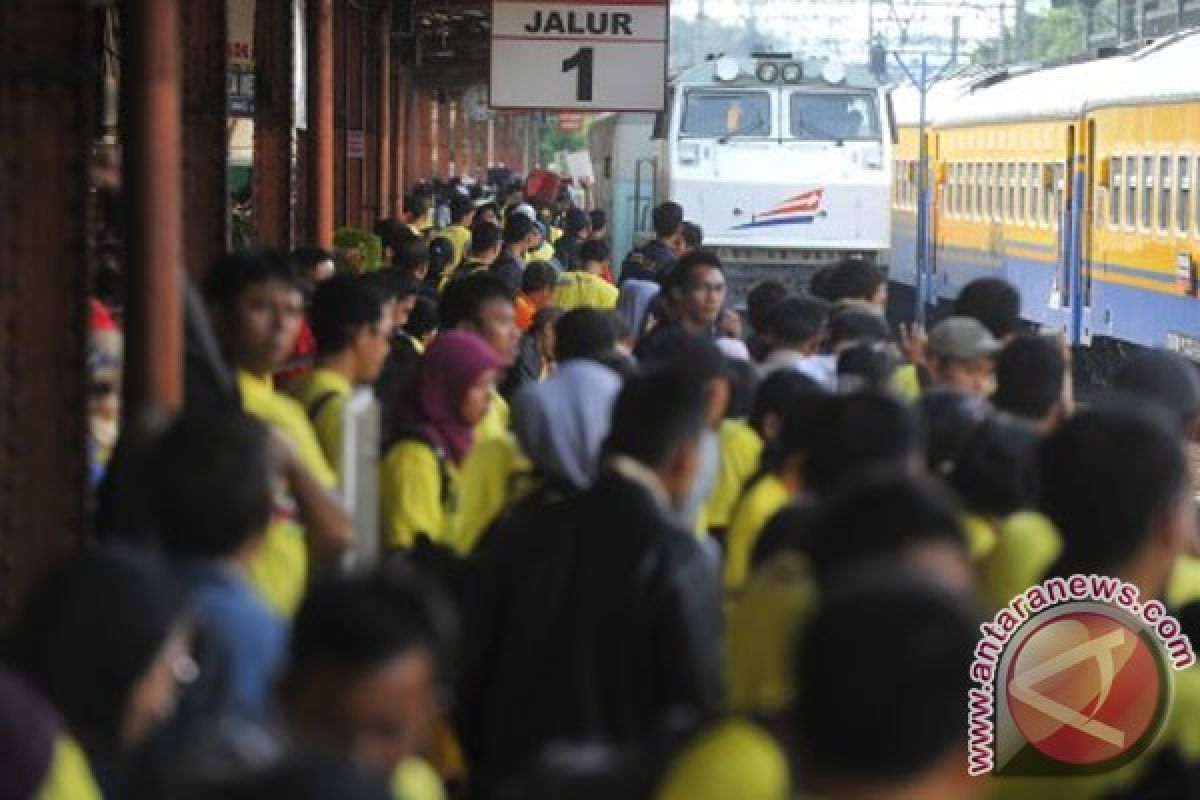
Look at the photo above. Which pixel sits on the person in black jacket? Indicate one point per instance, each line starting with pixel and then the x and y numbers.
pixel 596 616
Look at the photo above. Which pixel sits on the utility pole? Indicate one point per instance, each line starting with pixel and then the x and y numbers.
pixel 1020 34
pixel 955 39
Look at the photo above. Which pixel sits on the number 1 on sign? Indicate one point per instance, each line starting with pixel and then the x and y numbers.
pixel 582 60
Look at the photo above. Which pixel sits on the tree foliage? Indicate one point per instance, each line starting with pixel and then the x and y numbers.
pixel 1051 35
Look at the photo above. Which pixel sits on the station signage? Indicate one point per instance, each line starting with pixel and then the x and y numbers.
pixel 579 56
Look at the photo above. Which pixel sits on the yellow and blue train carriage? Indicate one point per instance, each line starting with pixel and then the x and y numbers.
pixel 1075 183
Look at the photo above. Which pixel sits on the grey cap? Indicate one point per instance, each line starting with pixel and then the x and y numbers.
pixel 961 338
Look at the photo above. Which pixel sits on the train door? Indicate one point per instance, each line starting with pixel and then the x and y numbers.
pixel 1090 173
pixel 1067 209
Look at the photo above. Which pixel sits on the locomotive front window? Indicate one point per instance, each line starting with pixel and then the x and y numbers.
pixel 718 114
pixel 833 116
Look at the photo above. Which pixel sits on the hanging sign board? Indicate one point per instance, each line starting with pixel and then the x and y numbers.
pixel 579 56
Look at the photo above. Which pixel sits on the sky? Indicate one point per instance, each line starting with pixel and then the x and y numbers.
pixel 840 27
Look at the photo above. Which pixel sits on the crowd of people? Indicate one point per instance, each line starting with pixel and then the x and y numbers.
pixel 631 542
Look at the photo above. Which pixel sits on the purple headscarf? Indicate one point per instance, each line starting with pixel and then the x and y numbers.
pixel 445 373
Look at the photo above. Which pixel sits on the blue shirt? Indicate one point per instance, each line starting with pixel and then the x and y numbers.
pixel 240 647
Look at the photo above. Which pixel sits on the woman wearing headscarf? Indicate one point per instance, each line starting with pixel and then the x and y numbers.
pixel 435 429
pixel 103 638
pixel 634 305
pixel 562 423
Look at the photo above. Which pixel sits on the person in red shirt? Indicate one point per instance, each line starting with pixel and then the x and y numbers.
pixel 537 291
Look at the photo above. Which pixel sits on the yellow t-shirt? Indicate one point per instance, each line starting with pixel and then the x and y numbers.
pixel 907 382
pixel 460 238
pixel 69 776
pixel 543 252
pixel 741 449
pixel 415 779
pixel 491 481
pixel 981 537
pixel 584 290
pixel 325 392
pixel 411 496
pixel 749 517
pixel 279 570
pixel 734 758
pixel 495 422
pixel 761 635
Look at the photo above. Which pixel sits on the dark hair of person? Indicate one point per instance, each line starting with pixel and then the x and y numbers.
pixel 778 392
pixel 460 207
pixel 354 624
pixel 795 320
pixel 857 432
pixel 995 471
pixel 950 418
pixel 866 365
pixel 89 629
pixel 693 235
pixel 539 275
pixel 417 204
pixel 210 485
pixel 760 300
pixel 517 227
pixel 795 438
pixel 1166 378
pixel 994 302
pixel 392 283
pixel 341 306
pixel 303 775
pixel 584 333
pixel 879 516
pixel 928 635
pixel 683 271
pixel 849 325
pixel 411 254
pixel 599 219
pixel 484 236
pixel 306 259
pixel 788 531
pixel 667 219
pixel 853 279
pixel 683 351
pixel 593 250
pixel 423 319
pixel 1106 474
pixel 393 234
pixel 441 252
pixel 743 383
pixel 546 317
pixel 464 299
pixel 1030 371
pixel 232 273
pixel 575 221
pixel 657 412
pixel 819 286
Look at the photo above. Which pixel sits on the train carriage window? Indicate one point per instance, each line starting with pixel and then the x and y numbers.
pixel 1010 207
pixel 1164 193
pixel 833 116
pixel 1035 177
pixel 978 190
pixel 1114 191
pixel 1022 191
pixel 970 190
pixel 711 114
pixel 1183 195
pixel 960 175
pixel 987 198
pixel 1147 207
pixel 1131 184
pixel 1047 196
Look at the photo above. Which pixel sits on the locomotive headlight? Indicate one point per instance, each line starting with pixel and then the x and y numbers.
pixel 792 72
pixel 768 72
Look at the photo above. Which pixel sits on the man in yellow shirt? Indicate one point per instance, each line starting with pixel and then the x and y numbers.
pixel 462 217
pixel 256 305
pixel 348 323
pixel 584 287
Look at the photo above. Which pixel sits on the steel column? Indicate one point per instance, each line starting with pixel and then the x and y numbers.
pixel 274 124
pixel 151 132
pixel 205 140
pixel 384 158
pixel 46 118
